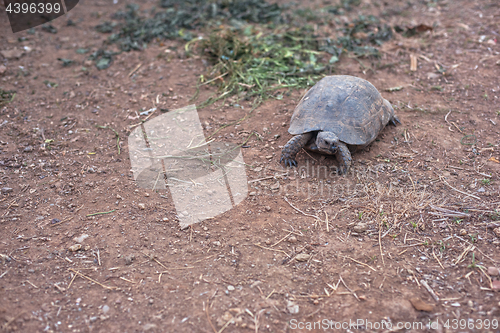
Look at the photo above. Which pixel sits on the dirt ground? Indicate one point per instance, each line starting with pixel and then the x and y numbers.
pixel 411 235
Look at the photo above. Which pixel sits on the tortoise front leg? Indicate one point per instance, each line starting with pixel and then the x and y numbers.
pixel 292 147
pixel 343 155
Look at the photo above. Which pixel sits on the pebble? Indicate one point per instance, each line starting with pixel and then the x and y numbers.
pixel 360 227
pixel 76 247
pixel 275 186
pixel 81 238
pixel 497 231
pixel 258 169
pixel 230 288
pixel 481 190
pixel 496 286
pixel 268 208
pixel 420 305
pixel 28 149
pixel 6 190
pixel 463 232
pixel 165 219
pixel 493 271
pixel 252 194
pixel 302 257
pixel 146 195
pixel 141 206
pixel 129 259
pixel 105 309
pixel 292 307
pixel 456 304
pixel 292 239
pixel 2 69
pixel 269 156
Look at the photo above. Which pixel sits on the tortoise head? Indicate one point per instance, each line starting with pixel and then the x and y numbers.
pixel 327 141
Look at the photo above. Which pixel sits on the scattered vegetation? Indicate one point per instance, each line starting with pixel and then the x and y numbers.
pixel 254 48
pixel 6 96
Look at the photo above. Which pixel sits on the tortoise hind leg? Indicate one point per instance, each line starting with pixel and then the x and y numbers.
pixel 343 155
pixel 292 147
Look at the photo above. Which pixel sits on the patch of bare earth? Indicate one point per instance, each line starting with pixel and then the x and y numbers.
pixel 410 235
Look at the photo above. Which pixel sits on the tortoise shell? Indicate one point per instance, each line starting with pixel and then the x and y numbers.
pixel 348 106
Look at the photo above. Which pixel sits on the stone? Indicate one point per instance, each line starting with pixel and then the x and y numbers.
pixel 302 257
pixel 360 227
pixel 292 307
pixel 74 248
pixel 493 271
pixel 81 238
pixel 6 190
pixel 141 206
pixel 275 186
pixel 420 305
pixel 292 239
pixel 105 309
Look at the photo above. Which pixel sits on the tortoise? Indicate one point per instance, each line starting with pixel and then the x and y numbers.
pixel 338 113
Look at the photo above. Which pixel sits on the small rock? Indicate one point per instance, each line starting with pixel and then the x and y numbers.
pixel 275 186
pixel 141 206
pixel 252 194
pixel 292 307
pixel 105 309
pixel 456 304
pixel 28 149
pixel 302 257
pixel 129 259
pixel 258 169
pixel 6 190
pixel 481 190
pixel 470 303
pixel 12 54
pixel 45 307
pixel 269 156
pixel 149 327
pixel 360 227
pixel 497 231
pixel 216 243
pixel 268 242
pixel 81 238
pixel 493 271
pixel 420 305
pixel 165 219
pixel 292 239
pixel 463 232
pixel 146 195
pixel 496 285
pixel 76 247
pixel 268 208
pixel 230 288
pixel 3 69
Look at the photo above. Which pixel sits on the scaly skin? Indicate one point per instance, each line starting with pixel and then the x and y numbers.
pixel 343 155
pixel 292 147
